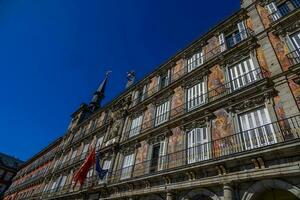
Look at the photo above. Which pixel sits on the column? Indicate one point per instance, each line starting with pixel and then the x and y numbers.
pixel 228 192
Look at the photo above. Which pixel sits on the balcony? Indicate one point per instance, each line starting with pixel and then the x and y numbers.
pixel 294 57
pixel 197 63
pixel 243 142
pixel 212 96
pixel 284 10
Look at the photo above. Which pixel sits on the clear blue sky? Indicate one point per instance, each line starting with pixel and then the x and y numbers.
pixel 53 55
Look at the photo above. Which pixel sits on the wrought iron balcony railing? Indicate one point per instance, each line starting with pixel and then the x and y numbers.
pixel 267 135
pixel 212 95
pixel 294 57
pixel 205 57
pixel 284 10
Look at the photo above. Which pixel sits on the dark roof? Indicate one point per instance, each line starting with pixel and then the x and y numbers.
pixel 9 161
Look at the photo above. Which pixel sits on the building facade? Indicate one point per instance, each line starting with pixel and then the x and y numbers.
pixel 8 169
pixel 219 120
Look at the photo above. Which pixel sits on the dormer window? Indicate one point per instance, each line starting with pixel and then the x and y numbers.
pixel 195 61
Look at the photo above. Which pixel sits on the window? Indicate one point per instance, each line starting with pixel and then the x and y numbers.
pixel 256 128
pixel 84 151
pixel 296 3
pixel 195 61
pixel 62 181
pixel 106 166
pixel 196 95
pixel 162 155
pixel 99 143
pixel 238 35
pixel 164 80
pixel 8 176
pixel 74 153
pixel 136 126
pixel 198 148
pixel 273 10
pixel 162 113
pixel 127 166
pixel 143 93
pixel 296 40
pixel 243 73
pixel 222 42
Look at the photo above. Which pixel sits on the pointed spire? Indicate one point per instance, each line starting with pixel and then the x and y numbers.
pixel 99 94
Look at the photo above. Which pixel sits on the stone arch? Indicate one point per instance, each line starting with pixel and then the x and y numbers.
pixel 201 191
pixel 263 185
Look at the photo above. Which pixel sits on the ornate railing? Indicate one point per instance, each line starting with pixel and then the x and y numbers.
pixel 294 57
pixel 284 10
pixel 207 56
pixel 242 142
pixel 212 95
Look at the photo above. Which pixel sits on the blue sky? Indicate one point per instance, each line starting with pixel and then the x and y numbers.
pixel 54 53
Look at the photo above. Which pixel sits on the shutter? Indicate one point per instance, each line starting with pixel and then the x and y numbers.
pixel 242 30
pixel 273 10
pixel 222 42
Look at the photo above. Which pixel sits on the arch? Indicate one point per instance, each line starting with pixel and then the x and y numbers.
pixel 263 185
pixel 201 191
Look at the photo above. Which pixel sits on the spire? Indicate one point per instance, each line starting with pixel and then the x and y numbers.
pixel 99 94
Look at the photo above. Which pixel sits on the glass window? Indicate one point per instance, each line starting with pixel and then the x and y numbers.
pixel 196 95
pixel 244 73
pixel 136 125
pixel 257 129
pixel 127 166
pixel 99 143
pixel 162 113
pixel 195 61
pixel 106 166
pixel 197 145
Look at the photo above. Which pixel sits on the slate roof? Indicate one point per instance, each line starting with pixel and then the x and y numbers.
pixel 9 161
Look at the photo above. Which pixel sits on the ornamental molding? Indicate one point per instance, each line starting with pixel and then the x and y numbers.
pixel 195 124
pixel 166 96
pixel 250 103
pixel 130 148
pixel 285 29
pixel 158 138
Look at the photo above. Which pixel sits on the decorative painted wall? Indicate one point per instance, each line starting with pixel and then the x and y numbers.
pixel 281 51
pixel 212 48
pixel 216 80
pixel 295 90
pixel 263 62
pixel 264 15
pixel 148 116
pixel 222 127
pixel 152 86
pixel 178 70
pixel 176 144
pixel 177 106
pixel 141 157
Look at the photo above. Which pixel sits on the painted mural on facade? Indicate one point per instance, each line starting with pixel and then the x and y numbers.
pixel 148 116
pixel 216 80
pixel 281 51
pixel 264 15
pixel 177 107
pixel 175 146
pixel 263 62
pixel 178 70
pixel 140 159
pixel 212 48
pixel 295 90
pixel 222 127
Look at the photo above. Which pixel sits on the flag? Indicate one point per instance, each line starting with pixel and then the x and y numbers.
pixel 101 172
pixel 84 169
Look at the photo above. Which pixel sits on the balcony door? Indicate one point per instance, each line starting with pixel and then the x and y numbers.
pixel 243 74
pixel 296 41
pixel 198 149
pixel 154 158
pixel 257 129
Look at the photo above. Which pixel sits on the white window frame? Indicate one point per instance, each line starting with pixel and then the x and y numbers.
pixel 273 11
pixel 99 143
pixel 84 151
pixel 195 61
pixel 127 166
pixel 257 129
pixel 136 125
pixel 162 159
pixel 222 42
pixel 244 73
pixel 162 113
pixel 198 145
pixel 242 30
pixel 196 95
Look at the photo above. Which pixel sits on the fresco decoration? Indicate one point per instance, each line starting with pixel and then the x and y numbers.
pixel 152 86
pixel 148 116
pixel 141 157
pixel 177 107
pixel 263 62
pixel 178 70
pixel 222 128
pixel 264 15
pixel 249 24
pixel 175 147
pixel 216 80
pixel 212 48
pixel 281 51
pixel 281 115
pixel 295 90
